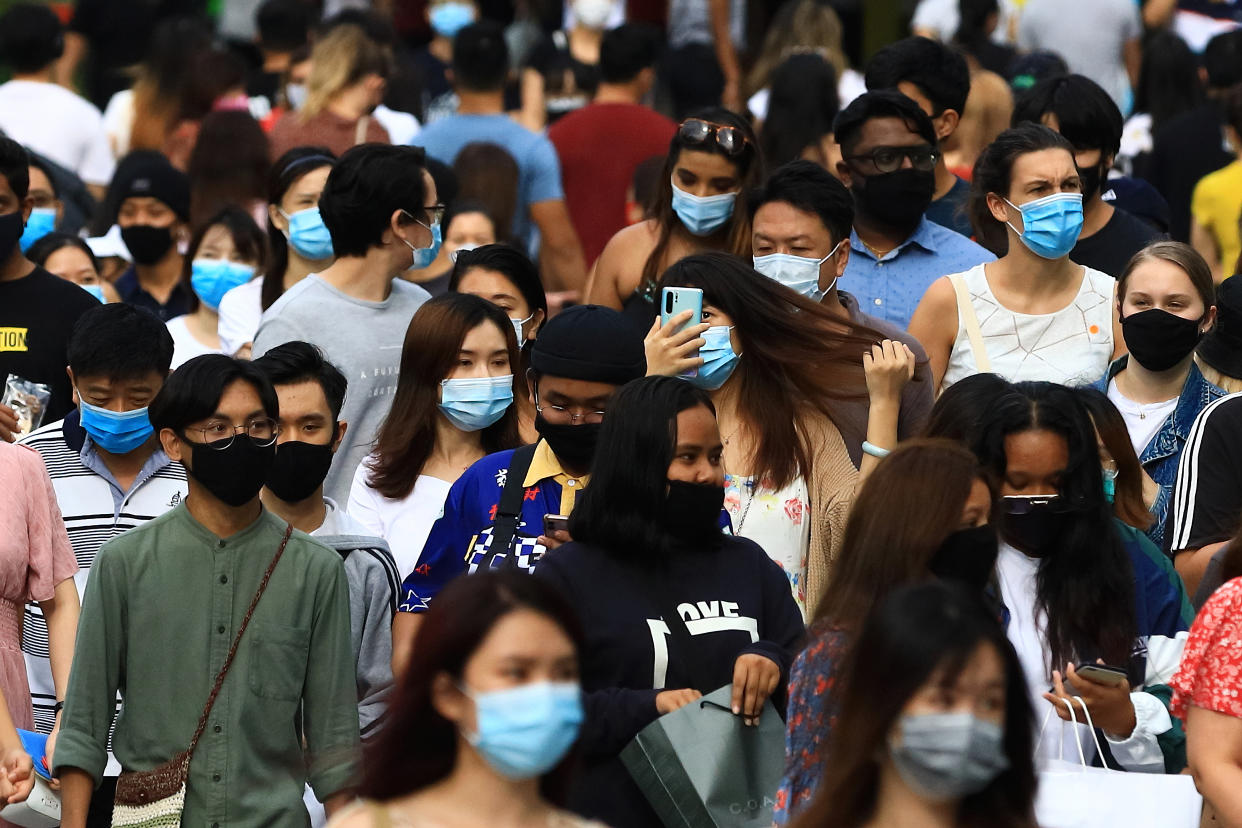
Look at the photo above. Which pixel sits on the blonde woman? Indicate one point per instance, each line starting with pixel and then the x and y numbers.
pixel 349 72
pixel 801 26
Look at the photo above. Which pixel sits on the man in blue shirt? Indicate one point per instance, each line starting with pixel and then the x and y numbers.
pixel 889 152
pixel 480 65
pixel 580 358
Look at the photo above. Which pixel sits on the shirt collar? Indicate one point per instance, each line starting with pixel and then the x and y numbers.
pixel 546 466
pixel 88 453
pixel 202 533
pixel 923 236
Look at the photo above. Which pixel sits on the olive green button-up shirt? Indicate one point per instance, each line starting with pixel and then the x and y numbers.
pixel 162 606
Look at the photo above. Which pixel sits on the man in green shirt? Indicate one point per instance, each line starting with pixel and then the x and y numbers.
pixel 164 603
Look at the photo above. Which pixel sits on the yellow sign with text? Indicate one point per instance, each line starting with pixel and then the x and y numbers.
pixel 13 339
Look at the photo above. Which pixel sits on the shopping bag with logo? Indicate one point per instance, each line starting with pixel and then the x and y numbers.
pixel 1075 795
pixel 701 767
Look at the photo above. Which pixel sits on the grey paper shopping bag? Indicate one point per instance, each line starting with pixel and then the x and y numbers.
pixel 700 767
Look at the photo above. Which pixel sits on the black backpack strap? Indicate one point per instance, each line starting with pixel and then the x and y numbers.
pixel 509 509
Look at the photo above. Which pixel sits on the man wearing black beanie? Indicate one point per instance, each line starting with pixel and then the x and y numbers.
pixel 494 514
pixel 153 203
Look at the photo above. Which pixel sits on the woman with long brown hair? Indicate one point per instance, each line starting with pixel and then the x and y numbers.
pixel 453 405
pixel 935 729
pixel 785 374
pixel 945 505
pixel 713 164
pixel 1124 481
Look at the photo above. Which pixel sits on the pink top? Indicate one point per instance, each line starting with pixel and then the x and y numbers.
pixel 35 556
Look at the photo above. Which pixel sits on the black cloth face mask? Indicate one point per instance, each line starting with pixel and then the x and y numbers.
pixel 968 556
pixel 1091 178
pixel 147 244
pixel 1158 340
pixel 1034 525
pixel 235 474
pixel 11 226
pixel 899 198
pixel 298 470
pixel 692 511
pixel 574 445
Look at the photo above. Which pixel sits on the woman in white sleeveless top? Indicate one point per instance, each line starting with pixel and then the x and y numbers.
pixel 1032 314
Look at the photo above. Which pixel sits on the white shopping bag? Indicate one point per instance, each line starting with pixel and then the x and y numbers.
pixel 1077 796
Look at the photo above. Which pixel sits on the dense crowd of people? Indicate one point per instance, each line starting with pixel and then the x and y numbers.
pixel 411 407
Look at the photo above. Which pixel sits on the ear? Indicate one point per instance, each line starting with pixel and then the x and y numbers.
pixel 450 702
pixel 73 385
pixel 341 428
pixel 394 226
pixel 531 386
pixel 60 211
pixel 947 123
pixel 999 209
pixel 843 258
pixel 536 322
pixel 1209 320
pixel 843 172
pixel 279 221
pixel 173 445
pixel 27 206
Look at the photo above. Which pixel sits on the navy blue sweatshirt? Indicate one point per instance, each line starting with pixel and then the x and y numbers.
pixel 733 600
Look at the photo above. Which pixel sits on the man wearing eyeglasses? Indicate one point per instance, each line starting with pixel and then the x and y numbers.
pixel 164 607
pixel 494 515
pixel 889 154
pixel 379 205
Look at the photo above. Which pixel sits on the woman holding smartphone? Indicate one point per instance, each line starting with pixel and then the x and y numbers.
pixel 1082 588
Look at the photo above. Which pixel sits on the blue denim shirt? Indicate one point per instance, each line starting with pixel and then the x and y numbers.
pixel 1162 454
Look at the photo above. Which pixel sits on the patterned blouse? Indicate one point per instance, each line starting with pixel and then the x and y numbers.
pixel 811 717
pixel 1210 675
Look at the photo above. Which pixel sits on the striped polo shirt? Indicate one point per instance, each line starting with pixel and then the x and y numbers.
pixel 95 510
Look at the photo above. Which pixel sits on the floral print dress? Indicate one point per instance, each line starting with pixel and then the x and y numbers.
pixel 776 519
pixel 1210 675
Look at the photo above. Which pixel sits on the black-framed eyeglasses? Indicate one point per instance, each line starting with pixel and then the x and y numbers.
pixel 889 159
pixel 567 414
pixel 219 436
pixel 697 132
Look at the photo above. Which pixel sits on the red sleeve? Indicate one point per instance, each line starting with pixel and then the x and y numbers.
pixel 1210 675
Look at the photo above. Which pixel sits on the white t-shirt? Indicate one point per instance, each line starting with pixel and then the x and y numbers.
pixel 55 122
pixel 240 311
pixel 404 523
pixel 1142 421
pixel 185 345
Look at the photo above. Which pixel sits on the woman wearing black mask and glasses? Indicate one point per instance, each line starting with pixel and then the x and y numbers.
pixel 1167 303
pixel 648 545
pixel 713 164
pixel 1082 588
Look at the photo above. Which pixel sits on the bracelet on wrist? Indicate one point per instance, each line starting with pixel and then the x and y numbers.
pixel 871 448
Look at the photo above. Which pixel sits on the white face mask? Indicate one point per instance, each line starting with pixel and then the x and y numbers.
pixel 295 94
pixel 517 328
pixel 798 273
pixel 593 14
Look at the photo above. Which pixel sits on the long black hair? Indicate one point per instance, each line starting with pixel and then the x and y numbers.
pixel 1085 584
pixel 920 634
pixel 622 511
pixel 801 108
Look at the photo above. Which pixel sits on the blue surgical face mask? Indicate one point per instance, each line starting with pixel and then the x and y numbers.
pixel 41 222
pixel 702 215
pixel 212 278
pixel 798 273
pixel 447 19
pixel 524 731
pixel 1110 484
pixel 424 256
pixel 95 290
pixel 719 361
pixel 114 432
pixel 308 234
pixel 476 403
pixel 517 329
pixel 1050 225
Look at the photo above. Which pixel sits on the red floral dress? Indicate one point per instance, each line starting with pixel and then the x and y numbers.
pixel 1210 675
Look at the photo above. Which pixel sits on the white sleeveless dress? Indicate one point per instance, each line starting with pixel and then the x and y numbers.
pixel 1072 346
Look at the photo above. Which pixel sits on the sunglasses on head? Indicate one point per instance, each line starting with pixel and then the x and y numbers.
pixel 695 132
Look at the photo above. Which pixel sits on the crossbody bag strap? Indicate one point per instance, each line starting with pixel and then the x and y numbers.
pixel 509 509
pixel 228 661
pixel 970 320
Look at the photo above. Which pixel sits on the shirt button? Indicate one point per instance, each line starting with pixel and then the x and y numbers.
pixel 215 825
pixel 220 544
pixel 879 301
pixel 215 777
pixel 572 483
pixel 220 629
pixel 224 579
pixel 217 728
